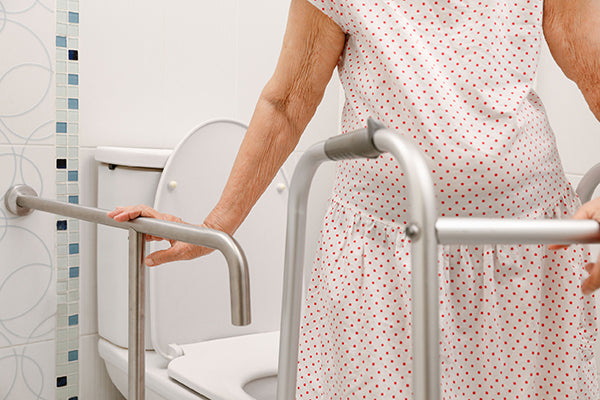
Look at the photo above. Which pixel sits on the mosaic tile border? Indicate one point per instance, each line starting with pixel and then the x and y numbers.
pixel 67 190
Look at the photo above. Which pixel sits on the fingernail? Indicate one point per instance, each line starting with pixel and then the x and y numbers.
pixel 149 262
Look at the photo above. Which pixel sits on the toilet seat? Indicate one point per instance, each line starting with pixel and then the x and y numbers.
pixel 214 370
pixel 219 369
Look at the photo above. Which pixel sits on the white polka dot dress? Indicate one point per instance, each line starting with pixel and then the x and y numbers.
pixel 456 77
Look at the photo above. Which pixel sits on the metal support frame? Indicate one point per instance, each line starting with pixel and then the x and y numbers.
pixel 426 232
pixel 22 200
pixel 137 299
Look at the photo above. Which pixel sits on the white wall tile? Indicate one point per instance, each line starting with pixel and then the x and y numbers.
pixel 27 372
pixel 27 273
pixel 147 84
pixel 26 116
pixel 94 381
pixel 122 71
pixel 577 131
pixel 200 60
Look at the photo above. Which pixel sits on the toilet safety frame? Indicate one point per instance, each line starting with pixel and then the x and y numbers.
pixel 425 230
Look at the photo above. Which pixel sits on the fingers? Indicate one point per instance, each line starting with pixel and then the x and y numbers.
pixel 557 246
pixel 122 214
pixel 592 282
pixel 178 251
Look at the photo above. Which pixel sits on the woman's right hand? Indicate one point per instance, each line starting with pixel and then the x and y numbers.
pixel 177 251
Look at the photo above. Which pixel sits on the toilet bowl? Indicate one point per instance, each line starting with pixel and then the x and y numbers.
pixel 193 351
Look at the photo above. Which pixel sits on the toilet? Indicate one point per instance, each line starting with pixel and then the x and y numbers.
pixel 192 349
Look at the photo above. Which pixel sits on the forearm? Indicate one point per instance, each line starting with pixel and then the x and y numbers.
pixel 572 30
pixel 271 137
pixel 311 48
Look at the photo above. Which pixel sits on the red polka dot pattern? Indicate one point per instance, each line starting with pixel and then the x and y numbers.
pixel 455 77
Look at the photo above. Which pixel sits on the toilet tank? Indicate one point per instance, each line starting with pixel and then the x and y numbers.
pixel 126 176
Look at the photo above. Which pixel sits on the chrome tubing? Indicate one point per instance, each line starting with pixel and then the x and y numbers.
pixel 425 231
pixel 293 269
pixel 369 142
pixel 236 260
pixel 21 200
pixel 424 269
pixel 516 231
pixel 137 272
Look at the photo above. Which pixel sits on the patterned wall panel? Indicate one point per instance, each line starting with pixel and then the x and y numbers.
pixel 28 274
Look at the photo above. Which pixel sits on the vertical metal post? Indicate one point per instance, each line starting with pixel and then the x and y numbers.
pixel 136 383
pixel 294 270
pixel 424 271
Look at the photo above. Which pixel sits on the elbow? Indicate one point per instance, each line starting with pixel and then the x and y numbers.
pixel 295 105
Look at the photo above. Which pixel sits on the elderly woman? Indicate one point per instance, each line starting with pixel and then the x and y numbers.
pixel 457 78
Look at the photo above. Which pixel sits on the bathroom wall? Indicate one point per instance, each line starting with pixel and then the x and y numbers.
pixel 152 70
pixel 28 273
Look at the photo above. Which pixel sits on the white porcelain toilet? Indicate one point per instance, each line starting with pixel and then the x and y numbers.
pixel 193 351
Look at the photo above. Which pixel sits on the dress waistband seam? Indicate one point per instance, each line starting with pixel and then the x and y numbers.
pixel 354 210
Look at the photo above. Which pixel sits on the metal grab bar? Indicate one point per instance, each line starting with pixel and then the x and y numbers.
pixel 22 200
pixel 425 230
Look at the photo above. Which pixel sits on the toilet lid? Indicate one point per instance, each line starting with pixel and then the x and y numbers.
pixel 189 300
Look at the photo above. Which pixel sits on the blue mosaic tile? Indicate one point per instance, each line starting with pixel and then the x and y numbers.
pixel 67 164
pixel 61 41
pixel 73 355
pixel 73 247
pixel 73 319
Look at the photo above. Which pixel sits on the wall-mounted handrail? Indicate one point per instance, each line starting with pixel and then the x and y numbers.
pixel 22 199
pixel 425 230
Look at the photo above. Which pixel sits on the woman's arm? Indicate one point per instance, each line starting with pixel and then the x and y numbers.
pixel 311 48
pixel 572 30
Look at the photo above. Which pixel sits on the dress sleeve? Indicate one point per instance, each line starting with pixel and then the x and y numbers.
pixel 334 9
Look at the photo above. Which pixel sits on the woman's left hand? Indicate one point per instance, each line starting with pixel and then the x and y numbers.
pixel 590 210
